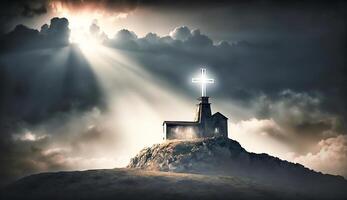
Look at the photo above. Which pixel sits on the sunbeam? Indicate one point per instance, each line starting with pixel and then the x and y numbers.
pixel 134 95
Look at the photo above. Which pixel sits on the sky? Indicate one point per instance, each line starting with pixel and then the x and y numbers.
pixel 87 84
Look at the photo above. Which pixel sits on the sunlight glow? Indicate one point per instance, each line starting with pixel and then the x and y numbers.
pixel 83 39
pixel 81 33
pixel 80 25
pixel 134 96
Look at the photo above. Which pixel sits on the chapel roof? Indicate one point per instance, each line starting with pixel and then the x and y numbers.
pixel 218 114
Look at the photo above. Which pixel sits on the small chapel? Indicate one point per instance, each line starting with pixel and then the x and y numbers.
pixel 204 125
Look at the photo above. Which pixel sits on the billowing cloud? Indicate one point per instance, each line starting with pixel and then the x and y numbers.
pixel 301 114
pixel 125 38
pixel 331 156
pixel 38 7
pixel 327 156
pixel 13 10
pixel 291 121
pixel 74 140
pixel 274 64
pixel 22 37
pixel 111 6
pixel 181 38
pixel 27 9
pixel 181 33
pixel 254 134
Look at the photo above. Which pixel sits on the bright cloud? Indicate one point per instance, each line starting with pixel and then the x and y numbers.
pixel 331 157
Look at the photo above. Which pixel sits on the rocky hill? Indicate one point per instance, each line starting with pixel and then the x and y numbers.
pixel 213 168
pixel 221 156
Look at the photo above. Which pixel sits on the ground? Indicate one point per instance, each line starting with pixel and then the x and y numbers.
pixel 208 168
pixel 139 184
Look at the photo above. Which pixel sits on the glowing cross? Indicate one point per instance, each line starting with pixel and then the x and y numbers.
pixel 203 80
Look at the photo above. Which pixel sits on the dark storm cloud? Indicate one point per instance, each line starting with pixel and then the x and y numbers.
pixel 27 148
pixel 219 15
pixel 30 11
pixel 11 10
pixel 246 68
pixel 22 96
pixel 302 116
pixel 297 86
pixel 45 84
pixel 68 84
pixel 14 8
pixel 53 35
pixel 105 5
pixel 181 33
pixel 25 155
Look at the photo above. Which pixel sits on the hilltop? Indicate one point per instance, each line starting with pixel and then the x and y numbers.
pixel 208 168
pixel 226 157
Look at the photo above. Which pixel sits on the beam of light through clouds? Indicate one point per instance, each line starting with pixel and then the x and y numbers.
pixel 139 82
pixel 138 102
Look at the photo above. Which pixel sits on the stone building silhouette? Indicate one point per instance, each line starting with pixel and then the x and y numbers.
pixel 204 125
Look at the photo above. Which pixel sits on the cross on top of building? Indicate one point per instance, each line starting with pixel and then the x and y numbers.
pixel 203 80
pixel 205 123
